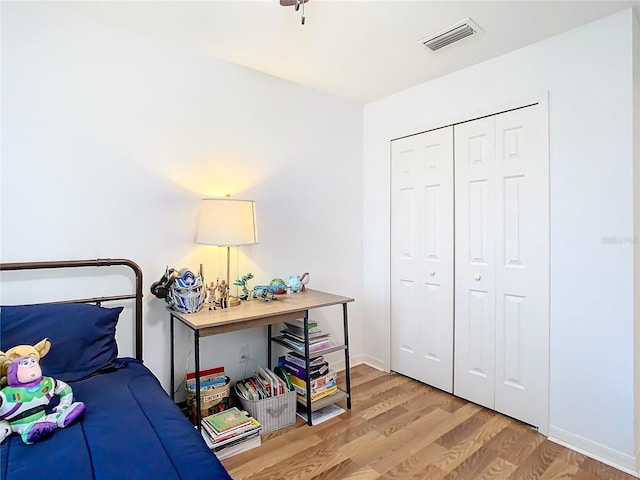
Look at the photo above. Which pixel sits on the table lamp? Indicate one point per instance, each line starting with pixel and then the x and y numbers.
pixel 227 222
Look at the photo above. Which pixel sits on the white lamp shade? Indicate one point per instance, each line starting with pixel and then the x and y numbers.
pixel 226 222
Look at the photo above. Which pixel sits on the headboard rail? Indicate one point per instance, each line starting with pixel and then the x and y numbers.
pixel 100 262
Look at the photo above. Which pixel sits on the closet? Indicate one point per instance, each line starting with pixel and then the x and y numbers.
pixel 470 261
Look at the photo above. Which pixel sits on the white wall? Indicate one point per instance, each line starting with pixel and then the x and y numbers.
pixel 588 74
pixel 109 140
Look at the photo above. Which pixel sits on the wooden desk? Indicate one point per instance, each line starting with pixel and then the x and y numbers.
pixel 257 313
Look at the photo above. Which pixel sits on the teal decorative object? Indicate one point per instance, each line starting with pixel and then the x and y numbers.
pixel 278 286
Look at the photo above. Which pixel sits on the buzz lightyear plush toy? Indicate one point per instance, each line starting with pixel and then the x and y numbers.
pixel 25 400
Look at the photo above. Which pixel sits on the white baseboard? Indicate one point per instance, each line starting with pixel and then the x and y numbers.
pixel 372 362
pixel 337 364
pixel 621 461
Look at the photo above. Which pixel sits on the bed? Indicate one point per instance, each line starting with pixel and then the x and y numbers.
pixel 131 428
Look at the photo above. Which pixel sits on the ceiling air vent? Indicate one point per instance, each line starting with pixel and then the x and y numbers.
pixel 449 35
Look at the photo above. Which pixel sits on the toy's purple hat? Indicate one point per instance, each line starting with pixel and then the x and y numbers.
pixel 12 374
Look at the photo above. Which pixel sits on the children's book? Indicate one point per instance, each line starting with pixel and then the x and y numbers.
pixel 299 360
pixel 227 420
pixel 235 434
pixel 298 325
pixel 300 372
pixel 299 346
pixel 318 384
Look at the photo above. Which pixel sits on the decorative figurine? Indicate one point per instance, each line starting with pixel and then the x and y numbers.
pixel 297 283
pixel 278 285
pixel 243 282
pixel 183 290
pixel 304 279
pixel 223 294
pixel 187 292
pixel 211 296
pixel 265 290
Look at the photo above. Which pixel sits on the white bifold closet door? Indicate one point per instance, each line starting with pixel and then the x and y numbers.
pixel 470 261
pixel 502 263
pixel 422 257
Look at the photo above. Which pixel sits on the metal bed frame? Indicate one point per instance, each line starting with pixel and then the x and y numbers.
pixel 100 262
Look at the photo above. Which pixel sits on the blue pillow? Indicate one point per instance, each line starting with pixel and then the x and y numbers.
pixel 82 336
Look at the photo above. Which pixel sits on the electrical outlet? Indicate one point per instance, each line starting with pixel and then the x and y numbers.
pixel 243 353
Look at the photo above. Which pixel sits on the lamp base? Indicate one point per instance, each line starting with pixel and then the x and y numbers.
pixel 233 302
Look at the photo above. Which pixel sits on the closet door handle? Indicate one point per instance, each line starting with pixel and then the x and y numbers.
pixel 478 278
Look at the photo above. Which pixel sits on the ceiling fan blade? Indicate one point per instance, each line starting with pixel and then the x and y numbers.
pixel 290 3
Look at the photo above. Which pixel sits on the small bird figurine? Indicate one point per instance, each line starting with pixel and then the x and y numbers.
pixel 304 279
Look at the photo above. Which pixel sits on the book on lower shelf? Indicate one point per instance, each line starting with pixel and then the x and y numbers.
pixel 297 326
pixel 298 346
pixel 317 384
pixel 226 420
pixel 320 387
pixel 315 371
pixel 317 395
pixel 297 359
pixel 231 450
pixel 322 414
pixel 236 433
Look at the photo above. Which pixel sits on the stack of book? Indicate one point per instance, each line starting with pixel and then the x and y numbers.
pixel 209 380
pixel 293 336
pixel 230 432
pixel 214 392
pixel 264 384
pixel 323 380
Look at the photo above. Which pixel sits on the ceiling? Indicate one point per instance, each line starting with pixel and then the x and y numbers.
pixel 357 50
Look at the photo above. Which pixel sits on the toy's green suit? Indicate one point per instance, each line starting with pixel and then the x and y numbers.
pixel 24 402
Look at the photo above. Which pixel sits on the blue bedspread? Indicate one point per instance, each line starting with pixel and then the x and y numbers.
pixel 131 430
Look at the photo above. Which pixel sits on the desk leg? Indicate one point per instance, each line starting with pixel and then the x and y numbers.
pixel 307 362
pixel 346 354
pixel 269 346
pixel 173 348
pixel 196 348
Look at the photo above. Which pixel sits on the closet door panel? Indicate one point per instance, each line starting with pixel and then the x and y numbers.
pixel 422 257
pixel 522 266
pixel 474 261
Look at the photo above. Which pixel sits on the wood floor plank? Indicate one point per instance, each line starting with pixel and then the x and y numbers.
pixel 473 465
pixel 467 446
pixel 560 470
pixel 505 439
pixel 375 384
pixel 582 475
pixel 386 446
pixel 466 428
pixel 499 469
pixel 525 444
pixel 536 464
pixel 363 375
pixel 602 470
pixel 390 400
pixel 484 456
pixel 365 473
pixel 272 452
pixel 406 462
pixel 388 425
pixel 340 470
pixel 306 465
pixel 399 429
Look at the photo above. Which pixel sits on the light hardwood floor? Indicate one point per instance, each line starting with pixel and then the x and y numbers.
pixel 401 429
